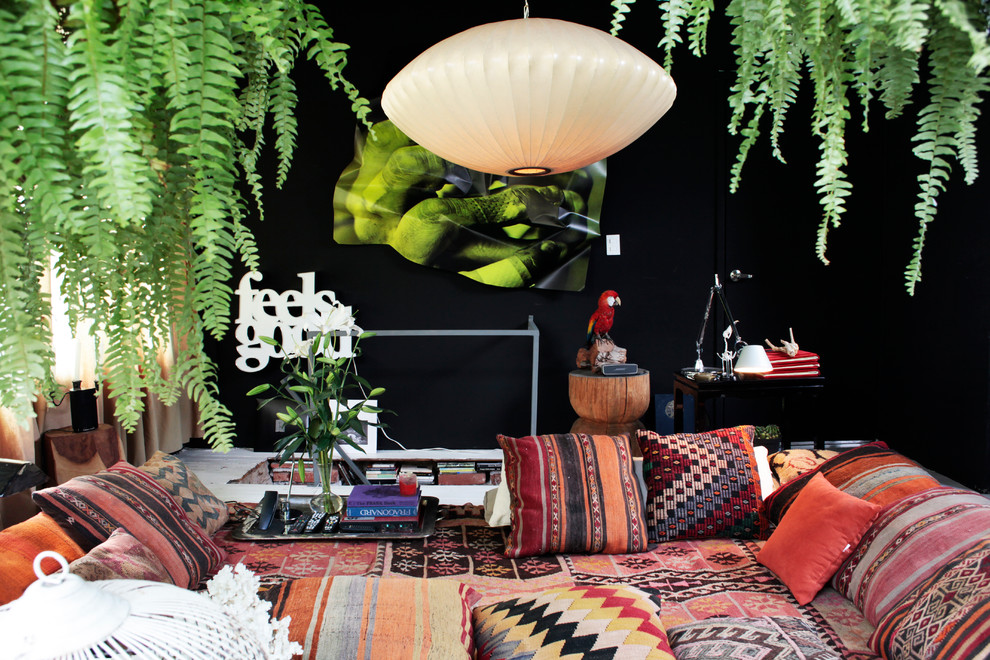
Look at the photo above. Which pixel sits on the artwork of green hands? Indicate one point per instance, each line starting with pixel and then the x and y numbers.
pixel 502 231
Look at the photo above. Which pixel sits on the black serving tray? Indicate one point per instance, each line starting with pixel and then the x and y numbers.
pixel 248 530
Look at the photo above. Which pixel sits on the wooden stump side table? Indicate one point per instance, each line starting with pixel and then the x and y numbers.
pixel 68 454
pixel 608 405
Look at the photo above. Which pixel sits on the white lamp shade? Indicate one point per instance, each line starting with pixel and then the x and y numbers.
pixel 532 93
pixel 753 360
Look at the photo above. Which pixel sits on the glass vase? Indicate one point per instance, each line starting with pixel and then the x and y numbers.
pixel 326 501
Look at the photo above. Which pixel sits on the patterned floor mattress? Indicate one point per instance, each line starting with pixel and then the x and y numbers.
pixel 696 579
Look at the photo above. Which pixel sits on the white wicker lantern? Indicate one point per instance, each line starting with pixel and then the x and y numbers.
pixel 63 616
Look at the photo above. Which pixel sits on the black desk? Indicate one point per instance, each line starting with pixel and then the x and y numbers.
pixel 781 388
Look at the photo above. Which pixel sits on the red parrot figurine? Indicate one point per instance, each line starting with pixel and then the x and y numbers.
pixel 601 321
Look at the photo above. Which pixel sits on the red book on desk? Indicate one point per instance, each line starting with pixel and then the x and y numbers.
pixel 802 357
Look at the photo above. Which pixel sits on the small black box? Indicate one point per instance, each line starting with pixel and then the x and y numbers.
pixel 626 369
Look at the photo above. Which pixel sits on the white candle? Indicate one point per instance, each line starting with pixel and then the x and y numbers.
pixel 77 371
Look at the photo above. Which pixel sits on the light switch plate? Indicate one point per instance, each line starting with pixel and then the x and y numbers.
pixel 612 245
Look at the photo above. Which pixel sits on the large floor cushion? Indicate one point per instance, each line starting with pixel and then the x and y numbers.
pixel 871 472
pixel 348 616
pixel 89 508
pixel 741 638
pixel 594 621
pixel 946 616
pixel 907 543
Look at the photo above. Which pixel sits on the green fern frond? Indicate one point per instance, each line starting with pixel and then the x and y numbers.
pixel 849 11
pixel 898 75
pixel 331 58
pixel 950 114
pixel 25 344
pixel 908 20
pixel 700 16
pixel 102 109
pixel 830 74
pixel 621 9
pixel 283 103
pixel 960 17
pixel 673 14
pixel 750 133
pixel 783 67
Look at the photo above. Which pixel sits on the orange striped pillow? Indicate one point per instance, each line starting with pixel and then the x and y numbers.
pixel 20 543
pixel 353 616
pixel 572 493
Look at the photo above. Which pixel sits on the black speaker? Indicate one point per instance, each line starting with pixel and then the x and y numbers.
pixel 82 406
pixel 622 369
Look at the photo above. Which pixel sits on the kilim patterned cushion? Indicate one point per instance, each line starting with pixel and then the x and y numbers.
pixel 600 622
pixel 871 472
pixel 701 485
pixel 766 638
pixel 349 616
pixel 907 543
pixel 789 464
pixel 202 506
pixel 121 557
pixel 89 508
pixel 572 493
pixel 947 616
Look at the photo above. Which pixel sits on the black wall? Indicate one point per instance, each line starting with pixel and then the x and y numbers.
pixel 910 371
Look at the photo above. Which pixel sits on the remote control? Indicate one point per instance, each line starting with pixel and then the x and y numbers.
pixel 331 525
pixel 314 522
pixel 300 524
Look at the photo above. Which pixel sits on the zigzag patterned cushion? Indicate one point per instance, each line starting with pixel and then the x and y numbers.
pixel 947 616
pixel 202 506
pixel 701 485
pixel 572 493
pixel 907 543
pixel 600 622
pixel 766 638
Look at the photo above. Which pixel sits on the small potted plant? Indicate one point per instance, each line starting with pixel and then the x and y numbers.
pixel 326 396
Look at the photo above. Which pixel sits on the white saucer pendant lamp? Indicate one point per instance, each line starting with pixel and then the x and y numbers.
pixel 528 97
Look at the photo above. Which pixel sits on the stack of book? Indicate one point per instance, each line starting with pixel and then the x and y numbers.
pixel 493 469
pixel 381 473
pixel 459 473
pixel 424 473
pixel 803 365
pixel 380 508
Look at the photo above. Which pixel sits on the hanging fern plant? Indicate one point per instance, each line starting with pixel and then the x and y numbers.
pixel 865 49
pixel 126 129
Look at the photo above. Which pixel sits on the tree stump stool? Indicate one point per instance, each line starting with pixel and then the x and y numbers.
pixel 68 454
pixel 608 405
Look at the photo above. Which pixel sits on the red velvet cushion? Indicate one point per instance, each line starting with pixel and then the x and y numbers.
pixel 20 544
pixel 821 528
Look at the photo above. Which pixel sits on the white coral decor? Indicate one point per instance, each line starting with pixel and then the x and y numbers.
pixel 236 590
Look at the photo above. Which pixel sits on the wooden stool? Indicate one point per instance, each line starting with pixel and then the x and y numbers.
pixel 608 405
pixel 69 454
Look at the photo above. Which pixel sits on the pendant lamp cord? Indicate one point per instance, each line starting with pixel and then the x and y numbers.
pixel 526 9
